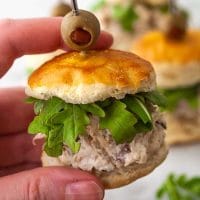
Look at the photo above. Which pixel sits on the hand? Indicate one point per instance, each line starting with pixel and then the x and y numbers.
pixel 32 36
pixel 17 152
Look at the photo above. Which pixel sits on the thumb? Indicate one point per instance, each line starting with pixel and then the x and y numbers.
pixel 52 183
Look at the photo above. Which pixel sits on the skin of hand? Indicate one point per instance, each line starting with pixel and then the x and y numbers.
pixel 21 174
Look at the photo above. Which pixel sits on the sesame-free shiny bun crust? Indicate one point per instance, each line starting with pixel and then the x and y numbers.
pixel 156 47
pixel 177 63
pixel 85 77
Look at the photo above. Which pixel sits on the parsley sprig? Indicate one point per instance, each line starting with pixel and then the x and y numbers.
pixel 179 188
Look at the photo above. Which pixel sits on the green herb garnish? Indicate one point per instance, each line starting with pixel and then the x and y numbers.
pixel 116 118
pixel 98 5
pixel 63 123
pixel 189 94
pixel 125 15
pixel 179 188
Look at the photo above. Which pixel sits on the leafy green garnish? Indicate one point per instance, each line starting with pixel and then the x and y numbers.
pixel 125 15
pixel 179 188
pixel 31 100
pixel 156 98
pixel 135 105
pixel 105 103
pixel 94 109
pixel 38 104
pixel 50 108
pixel 116 118
pixel 98 5
pixel 54 144
pixel 189 94
pixel 74 125
pixel 63 123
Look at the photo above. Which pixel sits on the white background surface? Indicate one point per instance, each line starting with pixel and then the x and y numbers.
pixel 181 159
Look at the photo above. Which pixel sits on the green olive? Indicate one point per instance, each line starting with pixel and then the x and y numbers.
pixel 61 9
pixel 80 31
pixel 177 25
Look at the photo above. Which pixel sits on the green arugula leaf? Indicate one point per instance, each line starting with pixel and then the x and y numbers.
pixel 73 120
pixel 99 5
pixel 119 122
pixel 125 15
pixel 94 109
pixel 74 125
pixel 54 151
pixel 51 107
pixel 136 106
pixel 156 98
pixel 140 97
pixel 174 96
pixel 55 137
pixel 179 187
pixel 105 103
pixel 31 100
pixel 57 118
pixel 38 106
pixel 141 127
pixel 38 126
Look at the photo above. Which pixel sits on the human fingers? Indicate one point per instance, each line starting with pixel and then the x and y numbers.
pixel 51 183
pixel 5 171
pixel 18 149
pixel 15 114
pixel 32 36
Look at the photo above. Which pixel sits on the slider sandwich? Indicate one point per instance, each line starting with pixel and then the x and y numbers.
pixel 99 112
pixel 176 59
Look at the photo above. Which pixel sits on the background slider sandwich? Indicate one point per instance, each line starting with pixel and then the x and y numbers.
pixel 177 65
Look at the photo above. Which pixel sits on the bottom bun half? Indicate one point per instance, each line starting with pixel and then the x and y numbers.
pixel 120 176
pixel 182 132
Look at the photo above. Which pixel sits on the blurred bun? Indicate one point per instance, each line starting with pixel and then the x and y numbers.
pixel 177 63
pixel 181 133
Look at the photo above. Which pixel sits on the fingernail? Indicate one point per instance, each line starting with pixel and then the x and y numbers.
pixel 84 190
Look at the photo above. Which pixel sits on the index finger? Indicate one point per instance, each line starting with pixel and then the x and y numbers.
pixel 33 36
pixel 15 114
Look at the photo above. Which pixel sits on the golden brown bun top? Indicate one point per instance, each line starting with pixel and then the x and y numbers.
pixel 109 67
pixel 100 73
pixel 155 47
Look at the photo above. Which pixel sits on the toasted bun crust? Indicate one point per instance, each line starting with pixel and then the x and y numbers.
pixel 181 133
pixel 122 176
pixel 155 47
pixel 85 77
